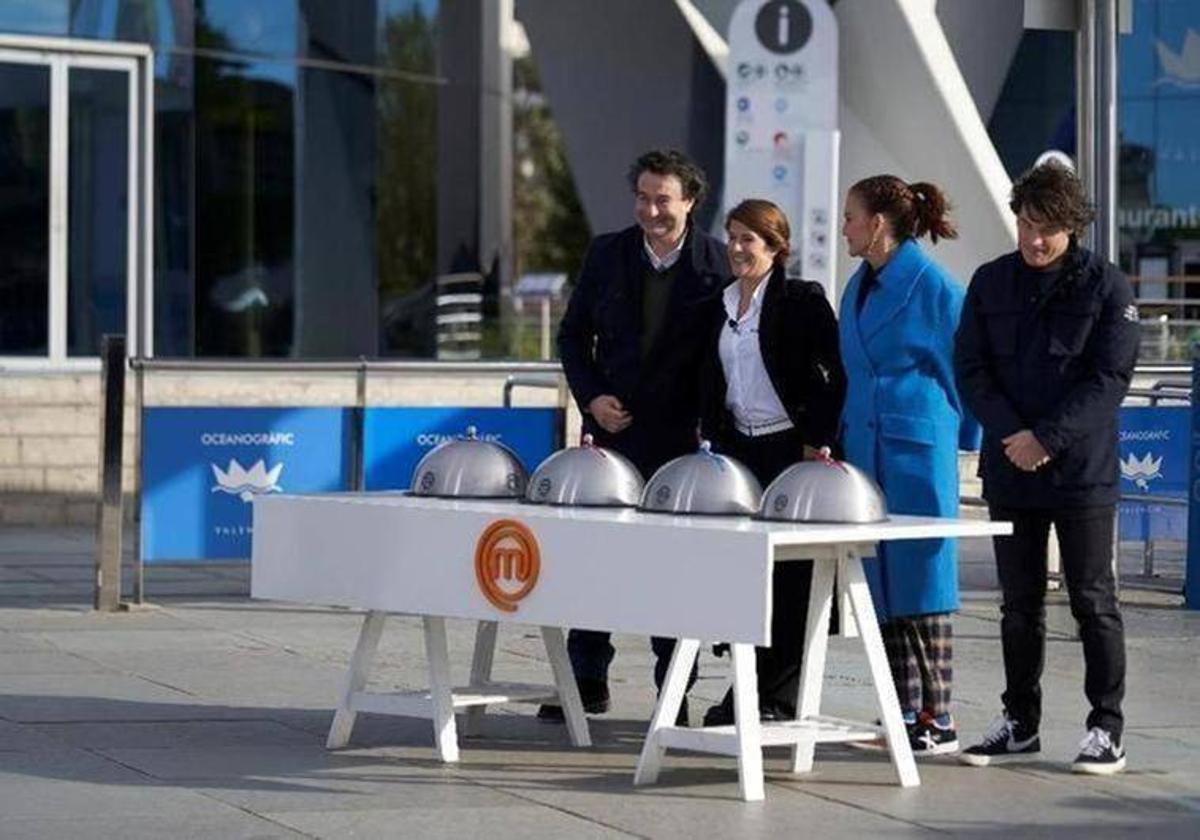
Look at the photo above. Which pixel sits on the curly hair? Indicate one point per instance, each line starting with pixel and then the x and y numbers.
pixel 672 162
pixel 1054 195
pixel 913 209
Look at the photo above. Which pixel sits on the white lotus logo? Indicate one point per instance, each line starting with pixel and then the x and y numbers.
pixel 1181 68
pixel 1141 472
pixel 246 484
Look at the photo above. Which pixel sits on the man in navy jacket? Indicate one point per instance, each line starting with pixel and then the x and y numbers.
pixel 629 347
pixel 1044 355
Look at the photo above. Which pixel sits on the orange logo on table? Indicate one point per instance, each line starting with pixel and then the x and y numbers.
pixel 507 563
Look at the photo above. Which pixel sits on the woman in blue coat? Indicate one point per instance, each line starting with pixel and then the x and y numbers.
pixel 903 424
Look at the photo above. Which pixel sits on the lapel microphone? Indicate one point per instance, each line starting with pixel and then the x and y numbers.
pixel 733 325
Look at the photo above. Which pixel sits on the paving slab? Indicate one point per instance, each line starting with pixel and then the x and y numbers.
pixel 19 737
pixel 229 825
pixel 13 642
pixel 24 662
pixel 41 698
pixel 510 821
pixel 173 735
pixel 696 796
pixel 206 715
pixel 78 783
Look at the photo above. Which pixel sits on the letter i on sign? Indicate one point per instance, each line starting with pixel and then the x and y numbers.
pixel 784 35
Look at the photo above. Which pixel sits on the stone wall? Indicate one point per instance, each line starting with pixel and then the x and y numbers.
pixel 50 423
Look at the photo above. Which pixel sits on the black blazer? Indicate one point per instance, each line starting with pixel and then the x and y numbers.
pixel 1058 364
pixel 798 336
pixel 599 342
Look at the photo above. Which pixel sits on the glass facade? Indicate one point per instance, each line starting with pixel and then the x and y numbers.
pixel 24 209
pixel 1158 214
pixel 97 197
pixel 316 172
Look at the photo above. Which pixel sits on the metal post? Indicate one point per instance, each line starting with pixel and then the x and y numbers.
pixel 1107 140
pixel 358 434
pixel 139 575
pixel 108 519
pixel 1085 99
pixel 1191 574
pixel 545 328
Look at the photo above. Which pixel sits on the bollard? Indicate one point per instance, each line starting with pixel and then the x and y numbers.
pixel 139 403
pixel 358 437
pixel 1191 574
pixel 109 514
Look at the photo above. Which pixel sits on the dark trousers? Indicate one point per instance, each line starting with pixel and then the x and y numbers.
pixel 779 665
pixel 591 653
pixel 1085 538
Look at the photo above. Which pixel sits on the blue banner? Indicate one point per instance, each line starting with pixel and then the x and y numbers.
pixel 396 438
pixel 201 467
pixel 1153 448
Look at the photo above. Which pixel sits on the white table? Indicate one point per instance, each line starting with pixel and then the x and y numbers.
pixel 690 578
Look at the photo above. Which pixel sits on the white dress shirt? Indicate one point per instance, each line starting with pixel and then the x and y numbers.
pixel 668 259
pixel 749 394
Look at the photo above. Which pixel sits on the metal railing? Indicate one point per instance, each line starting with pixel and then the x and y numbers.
pixel 547 375
pixel 1174 387
pixel 1164 390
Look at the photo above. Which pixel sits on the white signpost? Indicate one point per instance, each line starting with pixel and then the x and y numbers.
pixel 781 129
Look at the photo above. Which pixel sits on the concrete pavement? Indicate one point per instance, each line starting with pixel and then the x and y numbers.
pixel 205 716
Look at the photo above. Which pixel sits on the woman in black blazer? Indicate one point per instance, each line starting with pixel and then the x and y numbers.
pixel 772 389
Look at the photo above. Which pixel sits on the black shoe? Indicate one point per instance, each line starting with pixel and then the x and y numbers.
pixel 722 713
pixel 928 737
pixel 1005 740
pixel 593 693
pixel 681 719
pixel 1099 754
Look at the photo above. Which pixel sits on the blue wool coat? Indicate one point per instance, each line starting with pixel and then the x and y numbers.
pixel 904 422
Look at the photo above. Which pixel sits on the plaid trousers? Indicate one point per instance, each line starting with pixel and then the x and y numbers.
pixel 919 649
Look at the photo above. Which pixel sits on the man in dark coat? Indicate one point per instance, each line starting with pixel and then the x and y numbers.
pixel 1044 355
pixel 629 347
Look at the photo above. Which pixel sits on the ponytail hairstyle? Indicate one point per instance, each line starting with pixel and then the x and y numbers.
pixel 913 210
pixel 767 220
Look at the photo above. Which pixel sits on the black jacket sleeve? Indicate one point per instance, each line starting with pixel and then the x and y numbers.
pixel 1109 358
pixel 824 377
pixel 710 378
pixel 978 384
pixel 577 335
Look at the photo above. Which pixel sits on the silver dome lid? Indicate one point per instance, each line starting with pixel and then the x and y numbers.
pixel 824 490
pixel 586 475
pixel 703 482
pixel 470 468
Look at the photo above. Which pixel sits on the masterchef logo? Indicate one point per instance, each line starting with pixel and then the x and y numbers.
pixel 506 563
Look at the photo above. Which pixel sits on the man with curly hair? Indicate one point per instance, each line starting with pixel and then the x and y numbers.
pixel 629 349
pixel 1044 355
